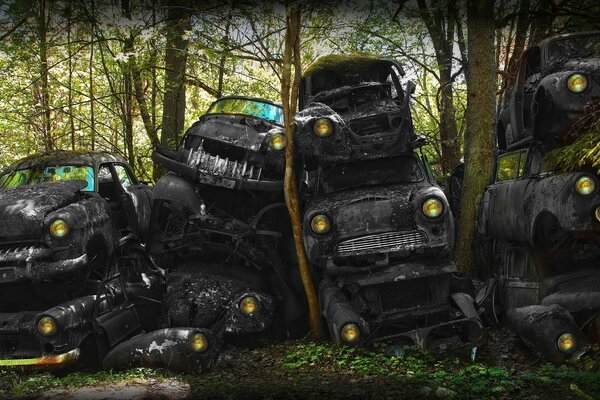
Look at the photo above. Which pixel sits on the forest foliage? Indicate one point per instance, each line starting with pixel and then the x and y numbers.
pixel 102 74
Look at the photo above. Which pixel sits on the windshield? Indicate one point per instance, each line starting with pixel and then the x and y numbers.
pixel 403 169
pixel 358 98
pixel 38 175
pixel 253 108
pixel 573 48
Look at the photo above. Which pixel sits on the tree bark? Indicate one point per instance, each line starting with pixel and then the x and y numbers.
pixel 289 96
pixel 42 25
pixel 481 101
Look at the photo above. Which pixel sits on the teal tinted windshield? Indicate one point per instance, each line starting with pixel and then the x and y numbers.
pixel 252 108
pixel 38 175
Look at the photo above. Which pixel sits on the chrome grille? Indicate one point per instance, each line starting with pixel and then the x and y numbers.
pixel 215 165
pixel 389 241
pixel 22 253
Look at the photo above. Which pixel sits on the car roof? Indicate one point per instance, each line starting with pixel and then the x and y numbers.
pixel 352 61
pixel 545 42
pixel 64 157
pixel 247 98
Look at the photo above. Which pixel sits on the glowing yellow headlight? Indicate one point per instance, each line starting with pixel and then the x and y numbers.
pixel 59 229
pixel 585 185
pixel 577 83
pixel 277 141
pixel 249 305
pixel 433 208
pixel 320 224
pixel 47 326
pixel 198 342
pixel 350 333
pixel 598 213
pixel 567 343
pixel 323 127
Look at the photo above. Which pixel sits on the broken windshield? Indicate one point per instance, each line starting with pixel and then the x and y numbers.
pixel 38 175
pixel 253 108
pixel 572 48
pixel 403 169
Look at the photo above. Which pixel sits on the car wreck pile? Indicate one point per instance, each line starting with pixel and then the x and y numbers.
pixel 97 268
pixel 538 231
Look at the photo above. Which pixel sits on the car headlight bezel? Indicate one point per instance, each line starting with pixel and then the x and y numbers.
pixel 321 123
pixel 47 326
pixel 350 333
pixel 249 305
pixel 567 343
pixel 277 142
pixel 59 228
pixel 577 87
pixel 597 214
pixel 199 342
pixel 320 224
pixel 581 181
pixel 427 206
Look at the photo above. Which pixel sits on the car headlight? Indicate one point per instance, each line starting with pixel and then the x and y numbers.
pixel 47 326
pixel 350 333
pixel 323 127
pixel 198 342
pixel 59 229
pixel 277 141
pixel 433 208
pixel 597 213
pixel 585 185
pixel 567 343
pixel 249 305
pixel 320 224
pixel 577 83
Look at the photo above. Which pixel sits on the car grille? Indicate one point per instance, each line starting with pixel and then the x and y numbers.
pixel 388 241
pixel 21 253
pixel 370 125
pixel 215 165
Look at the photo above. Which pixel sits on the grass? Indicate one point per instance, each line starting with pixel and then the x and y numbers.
pixel 306 369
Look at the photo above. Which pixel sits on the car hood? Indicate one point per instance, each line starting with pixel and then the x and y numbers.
pixel 23 209
pixel 238 131
pixel 590 66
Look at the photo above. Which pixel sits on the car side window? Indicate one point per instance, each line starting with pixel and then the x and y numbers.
pixel 124 176
pixel 511 166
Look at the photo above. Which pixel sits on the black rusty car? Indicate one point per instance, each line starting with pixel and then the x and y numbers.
pixel 220 226
pixel 556 78
pixel 376 225
pixel 67 219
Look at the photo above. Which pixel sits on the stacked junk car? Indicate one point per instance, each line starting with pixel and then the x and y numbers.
pixel 220 229
pixel 377 228
pixel 538 231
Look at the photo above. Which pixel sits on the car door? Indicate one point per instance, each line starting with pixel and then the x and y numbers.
pixel 520 101
pixel 504 199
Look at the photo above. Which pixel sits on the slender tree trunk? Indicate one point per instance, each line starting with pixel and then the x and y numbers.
pixel 42 24
pixel 128 88
pixel 289 96
pixel 70 78
pixel 481 101
pixel 91 80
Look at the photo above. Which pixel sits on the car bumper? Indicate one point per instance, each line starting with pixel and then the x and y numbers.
pixel 43 362
pixel 37 270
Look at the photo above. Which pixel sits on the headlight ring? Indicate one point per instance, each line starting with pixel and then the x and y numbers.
pixel 59 228
pixel 320 224
pixel 47 326
pixel 323 127
pixel 198 342
pixel 577 83
pixel 249 305
pixel 567 343
pixel 433 208
pixel 585 185
pixel 277 142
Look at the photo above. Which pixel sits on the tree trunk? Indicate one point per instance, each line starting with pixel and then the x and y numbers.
pixel 91 80
pixel 70 77
pixel 42 25
pixel 289 96
pixel 481 101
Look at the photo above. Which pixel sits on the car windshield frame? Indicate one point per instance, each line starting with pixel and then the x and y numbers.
pixel 267 113
pixel 44 175
pixel 359 179
pixel 550 49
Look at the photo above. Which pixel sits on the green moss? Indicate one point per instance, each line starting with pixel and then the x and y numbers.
pixel 345 63
pixel 583 152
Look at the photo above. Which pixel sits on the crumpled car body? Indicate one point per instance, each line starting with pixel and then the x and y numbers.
pixel 220 227
pixel 376 225
pixel 555 80
pixel 127 302
pixel 538 238
pixel 64 213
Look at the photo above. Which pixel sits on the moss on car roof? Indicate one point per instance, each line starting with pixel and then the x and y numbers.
pixel 356 61
pixel 59 157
